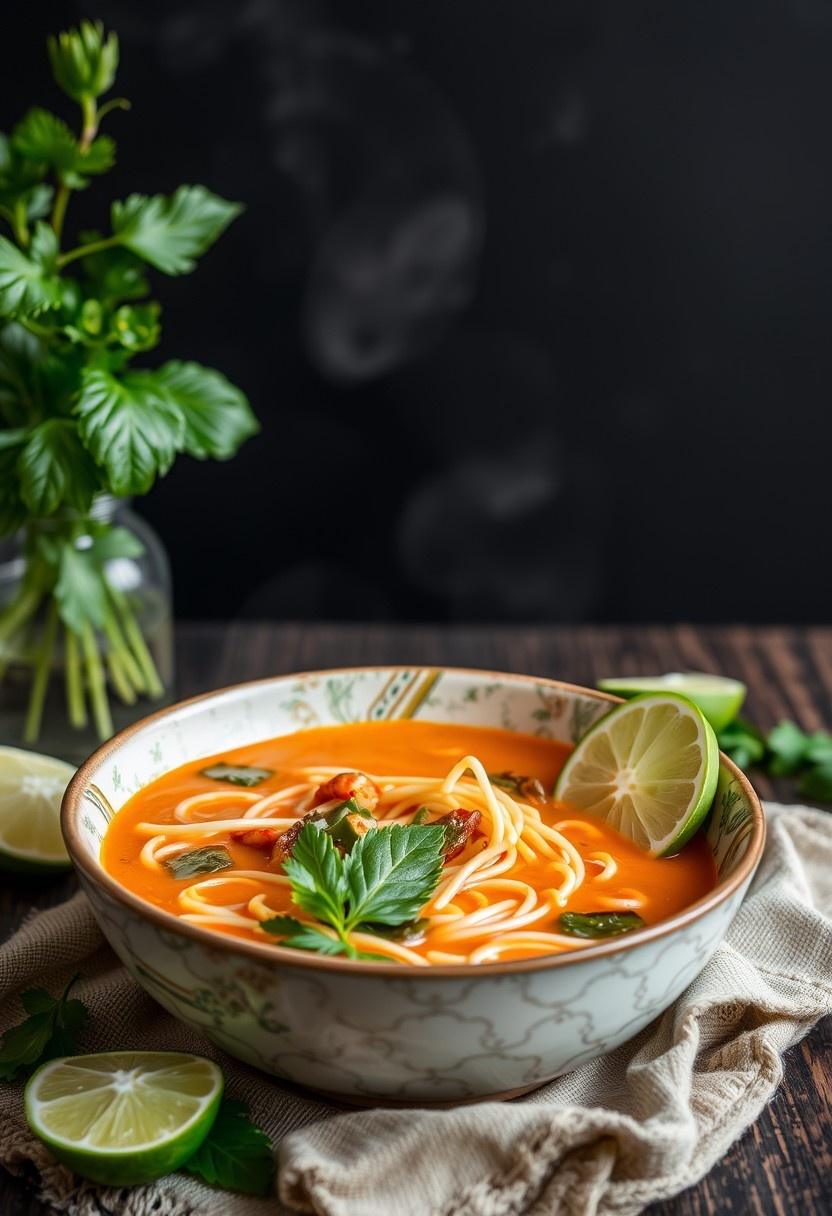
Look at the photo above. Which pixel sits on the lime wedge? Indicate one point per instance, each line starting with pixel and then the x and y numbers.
pixel 31 789
pixel 649 769
pixel 124 1117
pixel 718 697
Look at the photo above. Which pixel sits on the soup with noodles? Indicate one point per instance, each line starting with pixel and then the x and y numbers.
pixel 279 842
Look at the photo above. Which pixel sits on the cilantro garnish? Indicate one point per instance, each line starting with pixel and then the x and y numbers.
pixel 384 881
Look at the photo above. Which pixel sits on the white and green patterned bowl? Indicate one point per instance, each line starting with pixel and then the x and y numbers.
pixel 373 1032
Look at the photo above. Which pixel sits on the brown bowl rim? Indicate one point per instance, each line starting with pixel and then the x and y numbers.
pixel 285 956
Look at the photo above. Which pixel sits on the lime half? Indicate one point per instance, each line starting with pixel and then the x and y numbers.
pixel 124 1117
pixel 31 789
pixel 719 697
pixel 649 769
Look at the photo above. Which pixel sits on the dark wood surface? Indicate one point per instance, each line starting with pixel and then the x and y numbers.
pixel 783 1165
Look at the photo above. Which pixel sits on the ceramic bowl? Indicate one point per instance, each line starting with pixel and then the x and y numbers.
pixel 371 1032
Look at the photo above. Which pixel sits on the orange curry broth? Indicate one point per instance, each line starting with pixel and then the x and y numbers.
pixel 402 748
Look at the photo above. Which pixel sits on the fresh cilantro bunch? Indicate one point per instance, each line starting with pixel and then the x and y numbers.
pixel 786 751
pixel 382 883
pixel 75 421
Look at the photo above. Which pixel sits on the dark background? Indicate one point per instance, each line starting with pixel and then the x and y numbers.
pixel 532 299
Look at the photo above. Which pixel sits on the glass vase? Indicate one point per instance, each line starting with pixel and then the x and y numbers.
pixel 142 581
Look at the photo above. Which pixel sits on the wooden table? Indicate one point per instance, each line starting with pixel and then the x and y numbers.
pixel 783 1165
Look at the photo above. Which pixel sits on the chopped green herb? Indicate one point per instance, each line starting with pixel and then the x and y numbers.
pixel 421 817
pixel 236 1154
pixel 346 824
pixel 786 751
pixel 236 774
pixel 205 860
pixel 49 1031
pixel 599 924
pixel 412 931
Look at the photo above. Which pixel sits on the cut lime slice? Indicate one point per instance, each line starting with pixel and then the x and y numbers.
pixel 124 1117
pixel 31 789
pixel 719 697
pixel 649 769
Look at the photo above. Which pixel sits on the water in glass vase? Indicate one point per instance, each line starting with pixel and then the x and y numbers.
pixel 61 691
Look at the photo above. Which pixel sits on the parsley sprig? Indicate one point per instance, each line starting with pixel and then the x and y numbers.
pixel 385 879
pixel 75 422
pixel 50 1030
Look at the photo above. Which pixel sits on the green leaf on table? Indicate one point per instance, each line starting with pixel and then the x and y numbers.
pixel 130 426
pixel 236 1154
pixel 317 873
pixel 743 743
pixel 816 783
pixel 50 1030
pixel 29 284
pixel 46 139
pixel 80 590
pixel 218 417
pixel 819 748
pixel 302 936
pixel 55 468
pixel 83 61
pixel 787 745
pixel 170 232
pixel 392 873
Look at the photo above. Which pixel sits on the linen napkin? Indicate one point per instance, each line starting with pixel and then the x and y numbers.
pixel 635 1126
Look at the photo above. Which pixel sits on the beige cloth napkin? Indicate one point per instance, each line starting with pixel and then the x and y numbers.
pixel 635 1126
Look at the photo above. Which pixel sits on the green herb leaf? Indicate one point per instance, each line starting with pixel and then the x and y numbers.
pixel 392 872
pixel 43 137
pixel 410 931
pixel 302 936
pixel 136 328
pixel 80 590
pixel 117 274
pixel 55 468
pixel 819 748
pixel 49 1031
pixel 83 61
pixel 236 1154
pixel 787 745
pixel 599 924
pixel 171 232
pixel 236 774
pixel 218 417
pixel 317 873
pixel 816 783
pixel 743 743
pixel 207 860
pixel 130 426
pixel 21 354
pixel 116 542
pixel 28 282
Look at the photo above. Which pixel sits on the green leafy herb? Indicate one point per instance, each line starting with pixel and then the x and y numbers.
pixel 599 924
pixel 518 784
pixel 236 1154
pixel 49 1031
pixel 205 860
pixel 410 931
pixel 785 752
pixel 384 881
pixel 75 422
pixel 236 774
pixel 743 743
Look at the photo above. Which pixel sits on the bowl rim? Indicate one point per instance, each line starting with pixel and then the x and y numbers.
pixel 285 956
